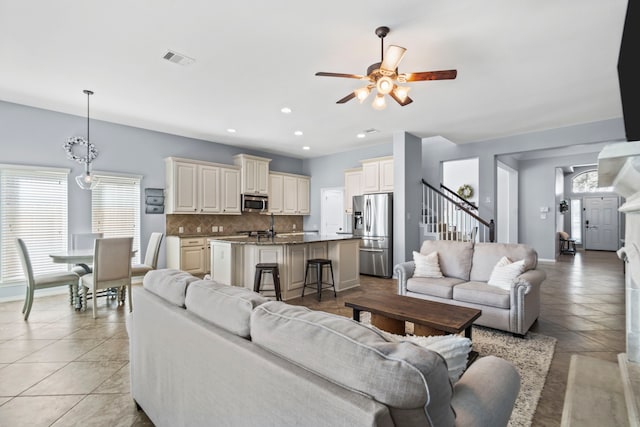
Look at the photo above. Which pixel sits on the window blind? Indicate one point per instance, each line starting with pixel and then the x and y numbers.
pixel 33 206
pixel 115 208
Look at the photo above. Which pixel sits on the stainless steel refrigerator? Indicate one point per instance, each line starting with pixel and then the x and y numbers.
pixel 373 223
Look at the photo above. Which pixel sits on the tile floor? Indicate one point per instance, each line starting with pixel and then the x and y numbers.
pixel 63 368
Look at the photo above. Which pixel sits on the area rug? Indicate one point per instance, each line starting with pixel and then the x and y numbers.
pixel 531 356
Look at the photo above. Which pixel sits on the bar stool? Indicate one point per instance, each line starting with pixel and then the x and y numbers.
pixel 319 264
pixel 275 272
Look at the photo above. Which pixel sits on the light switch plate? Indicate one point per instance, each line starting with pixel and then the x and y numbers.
pixel 180 229
pixel 198 229
pixel 214 228
pixel 221 228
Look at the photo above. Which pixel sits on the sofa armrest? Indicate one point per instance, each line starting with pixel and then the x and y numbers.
pixel 486 393
pixel 529 279
pixel 404 271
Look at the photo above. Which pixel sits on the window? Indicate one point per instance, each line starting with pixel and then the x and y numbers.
pixel 115 207
pixel 587 182
pixel 576 220
pixel 33 207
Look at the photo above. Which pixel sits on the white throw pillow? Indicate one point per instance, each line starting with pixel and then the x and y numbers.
pixel 427 265
pixel 504 272
pixel 453 348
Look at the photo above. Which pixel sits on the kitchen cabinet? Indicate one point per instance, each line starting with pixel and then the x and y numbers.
pixel 291 192
pixel 275 193
pixel 195 187
pixel 254 174
pixel 377 175
pixel 352 187
pixel 187 254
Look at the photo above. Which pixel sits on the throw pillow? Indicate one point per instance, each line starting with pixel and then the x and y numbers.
pixel 454 349
pixel 427 265
pixel 504 272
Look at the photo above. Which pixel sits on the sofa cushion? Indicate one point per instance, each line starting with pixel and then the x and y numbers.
pixel 427 265
pixel 400 375
pixel 483 294
pixel 487 255
pixel 505 272
pixel 228 307
pixel 442 288
pixel 169 284
pixel 454 257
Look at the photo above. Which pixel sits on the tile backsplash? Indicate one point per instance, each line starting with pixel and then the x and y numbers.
pixel 231 224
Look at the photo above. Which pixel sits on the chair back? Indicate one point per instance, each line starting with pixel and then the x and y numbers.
pixel 23 253
pixel 112 259
pixel 84 240
pixel 153 249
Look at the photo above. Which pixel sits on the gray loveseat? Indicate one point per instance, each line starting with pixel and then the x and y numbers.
pixel 466 268
pixel 205 354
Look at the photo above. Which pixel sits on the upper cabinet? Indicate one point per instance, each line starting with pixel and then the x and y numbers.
pixel 196 187
pixel 352 187
pixel 289 194
pixel 377 175
pixel 254 174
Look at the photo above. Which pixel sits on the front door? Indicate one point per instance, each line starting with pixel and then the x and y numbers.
pixel 601 224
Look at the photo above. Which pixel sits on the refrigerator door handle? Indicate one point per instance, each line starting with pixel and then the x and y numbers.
pixel 371 250
pixel 368 216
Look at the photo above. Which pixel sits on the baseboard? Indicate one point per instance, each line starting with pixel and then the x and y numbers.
pixel 546 260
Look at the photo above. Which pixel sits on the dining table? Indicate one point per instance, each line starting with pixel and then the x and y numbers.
pixel 79 257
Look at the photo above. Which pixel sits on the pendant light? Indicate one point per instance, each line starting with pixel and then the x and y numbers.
pixel 86 181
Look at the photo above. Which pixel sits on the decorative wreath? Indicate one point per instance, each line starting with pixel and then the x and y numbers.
pixel 465 191
pixel 78 140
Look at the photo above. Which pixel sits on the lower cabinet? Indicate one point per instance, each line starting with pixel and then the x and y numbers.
pixel 187 254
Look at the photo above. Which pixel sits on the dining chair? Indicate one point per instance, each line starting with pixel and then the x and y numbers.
pixel 81 241
pixel 42 281
pixel 111 269
pixel 150 256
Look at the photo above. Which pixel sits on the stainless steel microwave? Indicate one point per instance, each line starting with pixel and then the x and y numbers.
pixel 251 203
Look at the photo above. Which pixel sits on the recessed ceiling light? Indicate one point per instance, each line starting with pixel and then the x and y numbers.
pixel 298 133
pixel 286 110
pixel 361 135
pixel 306 147
pixel 231 130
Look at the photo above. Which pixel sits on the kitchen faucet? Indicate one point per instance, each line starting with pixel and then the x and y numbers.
pixel 272 231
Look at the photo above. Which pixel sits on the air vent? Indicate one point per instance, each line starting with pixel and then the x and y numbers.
pixel 372 130
pixel 178 58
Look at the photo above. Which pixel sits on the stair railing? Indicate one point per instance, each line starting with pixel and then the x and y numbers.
pixel 444 218
pixel 454 194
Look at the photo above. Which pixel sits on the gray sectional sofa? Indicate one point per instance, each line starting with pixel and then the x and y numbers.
pixel 466 268
pixel 204 354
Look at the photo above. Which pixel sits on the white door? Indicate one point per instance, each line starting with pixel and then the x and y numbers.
pixel 601 224
pixel 331 211
pixel 507 204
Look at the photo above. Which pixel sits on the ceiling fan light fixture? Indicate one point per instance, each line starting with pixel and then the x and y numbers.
pixel 401 92
pixel 362 93
pixel 384 85
pixel 379 103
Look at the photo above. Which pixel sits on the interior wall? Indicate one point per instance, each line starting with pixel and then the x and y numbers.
pixel 456 173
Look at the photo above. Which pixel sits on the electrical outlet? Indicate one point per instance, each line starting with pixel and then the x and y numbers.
pixel 294 226
pixel 214 228
pixel 198 229
pixel 180 229
pixel 221 228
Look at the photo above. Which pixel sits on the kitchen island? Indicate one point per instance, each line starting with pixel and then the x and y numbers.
pixel 233 260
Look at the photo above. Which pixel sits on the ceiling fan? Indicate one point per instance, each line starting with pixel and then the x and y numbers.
pixel 384 77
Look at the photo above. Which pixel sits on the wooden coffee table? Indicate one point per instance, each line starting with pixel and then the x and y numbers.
pixel 390 312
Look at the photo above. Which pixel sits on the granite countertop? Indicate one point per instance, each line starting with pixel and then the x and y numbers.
pixel 281 239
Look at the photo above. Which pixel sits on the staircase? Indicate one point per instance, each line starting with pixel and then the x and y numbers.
pixel 602 393
pixel 447 216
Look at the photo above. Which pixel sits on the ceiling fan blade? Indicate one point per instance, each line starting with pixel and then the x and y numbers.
pixel 392 58
pixel 346 98
pixel 406 101
pixel 432 75
pixel 349 76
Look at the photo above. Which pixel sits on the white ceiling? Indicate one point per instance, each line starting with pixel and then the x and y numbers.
pixel 522 66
